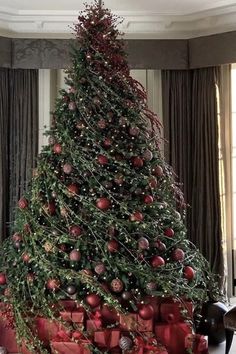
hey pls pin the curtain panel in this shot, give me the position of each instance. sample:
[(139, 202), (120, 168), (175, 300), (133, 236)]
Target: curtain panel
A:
[(19, 138), (191, 128)]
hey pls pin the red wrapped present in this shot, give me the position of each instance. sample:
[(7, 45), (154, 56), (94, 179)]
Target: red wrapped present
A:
[(95, 322), (75, 316), (172, 336), (46, 329), (69, 305), (108, 338), (173, 312), (8, 338), (155, 301), (149, 346), (145, 325), (196, 343), (69, 348)]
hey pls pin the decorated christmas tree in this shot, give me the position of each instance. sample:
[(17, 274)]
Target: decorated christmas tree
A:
[(103, 221)]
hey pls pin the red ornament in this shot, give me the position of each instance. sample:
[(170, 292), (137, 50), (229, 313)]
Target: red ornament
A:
[(25, 257), (113, 246), (107, 143), (147, 155), (169, 232), (153, 182), (102, 160), (73, 189), (57, 149), (148, 199), (67, 168), (53, 284), (136, 216), (137, 161), (75, 230), (157, 261), (160, 246), (157, 171), (189, 273), (146, 311), (109, 314), (23, 203), (117, 285), (49, 208), (100, 268), (75, 256), (178, 255), (3, 279), (103, 203), (93, 300)]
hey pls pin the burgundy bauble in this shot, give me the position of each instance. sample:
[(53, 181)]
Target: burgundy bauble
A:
[(146, 311), (25, 257), (157, 261), (113, 246), (117, 285), (3, 279), (169, 232), (136, 216), (109, 314), (137, 161), (67, 168), (189, 273), (178, 255), (148, 199), (102, 124), (53, 284), (125, 343), (126, 295), (23, 203), (102, 160), (147, 155), (71, 290), (57, 148), (134, 131), (75, 230), (75, 255), (107, 143), (157, 171), (49, 208), (143, 243), (72, 106), (153, 182), (103, 203), (160, 246), (100, 268), (93, 300), (73, 189)]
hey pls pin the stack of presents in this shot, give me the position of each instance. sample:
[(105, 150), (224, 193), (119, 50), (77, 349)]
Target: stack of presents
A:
[(167, 332)]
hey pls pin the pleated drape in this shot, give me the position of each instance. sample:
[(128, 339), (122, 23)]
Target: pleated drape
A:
[(191, 127), (19, 138)]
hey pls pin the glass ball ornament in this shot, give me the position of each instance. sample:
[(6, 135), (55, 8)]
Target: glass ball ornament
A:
[(125, 343)]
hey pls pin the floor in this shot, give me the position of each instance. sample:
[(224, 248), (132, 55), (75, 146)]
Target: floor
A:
[(220, 349)]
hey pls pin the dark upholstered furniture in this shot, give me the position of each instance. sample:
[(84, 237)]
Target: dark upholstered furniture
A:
[(230, 327)]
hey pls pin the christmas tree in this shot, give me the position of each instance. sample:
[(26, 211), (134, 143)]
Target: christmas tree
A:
[(100, 223)]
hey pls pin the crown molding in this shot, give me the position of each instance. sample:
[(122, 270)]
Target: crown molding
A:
[(136, 24)]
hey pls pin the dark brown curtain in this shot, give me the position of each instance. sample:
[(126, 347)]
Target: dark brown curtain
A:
[(19, 138), (191, 127)]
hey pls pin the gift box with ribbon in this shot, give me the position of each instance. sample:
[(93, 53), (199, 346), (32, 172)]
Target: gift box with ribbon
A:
[(107, 338), (94, 322), (174, 312), (172, 336), (8, 337), (69, 343), (133, 322), (196, 344), (147, 346), (46, 329), (75, 316)]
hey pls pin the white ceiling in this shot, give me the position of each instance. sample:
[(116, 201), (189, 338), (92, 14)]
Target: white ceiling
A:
[(142, 18)]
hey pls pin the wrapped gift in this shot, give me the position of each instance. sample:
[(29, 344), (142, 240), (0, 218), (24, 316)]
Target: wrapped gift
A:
[(173, 312), (196, 344), (76, 315), (69, 348), (95, 322), (149, 346), (172, 336), (69, 305), (107, 338), (8, 338), (46, 329), (155, 301)]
